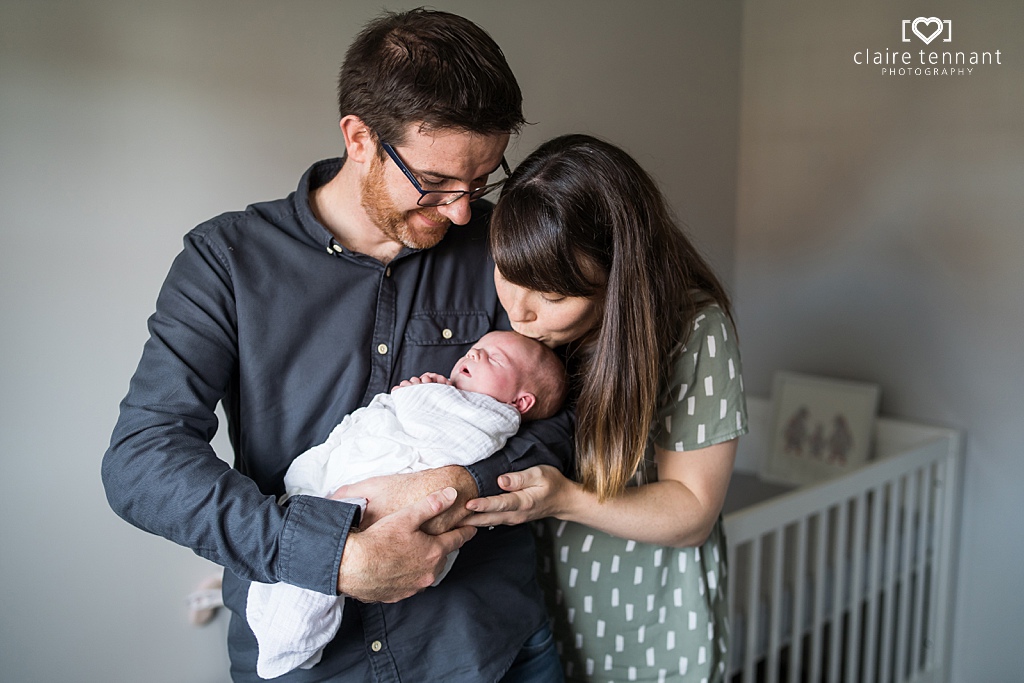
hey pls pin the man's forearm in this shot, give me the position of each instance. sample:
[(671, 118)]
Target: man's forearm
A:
[(387, 494), (463, 482), (161, 473)]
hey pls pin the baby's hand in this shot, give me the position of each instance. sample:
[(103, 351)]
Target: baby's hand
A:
[(425, 378)]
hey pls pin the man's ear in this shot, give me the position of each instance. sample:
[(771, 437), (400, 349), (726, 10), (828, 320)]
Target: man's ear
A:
[(360, 142), (524, 401)]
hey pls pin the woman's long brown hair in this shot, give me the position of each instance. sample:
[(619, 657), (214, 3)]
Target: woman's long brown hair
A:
[(579, 217)]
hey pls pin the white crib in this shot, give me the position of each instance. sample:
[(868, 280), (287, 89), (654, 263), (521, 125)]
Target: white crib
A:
[(850, 579)]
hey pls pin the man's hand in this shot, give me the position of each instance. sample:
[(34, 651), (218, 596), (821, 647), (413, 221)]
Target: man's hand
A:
[(425, 378), (394, 559), (389, 493)]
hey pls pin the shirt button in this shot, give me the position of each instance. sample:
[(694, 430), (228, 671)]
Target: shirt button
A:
[(382, 349), (387, 272), (337, 247), (446, 333), (376, 646)]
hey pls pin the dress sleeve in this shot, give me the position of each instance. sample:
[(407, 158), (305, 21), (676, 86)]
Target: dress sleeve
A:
[(703, 402)]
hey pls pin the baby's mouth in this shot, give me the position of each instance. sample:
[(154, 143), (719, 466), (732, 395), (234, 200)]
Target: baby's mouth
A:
[(460, 370)]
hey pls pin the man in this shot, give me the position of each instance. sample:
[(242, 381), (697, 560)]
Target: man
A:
[(296, 312)]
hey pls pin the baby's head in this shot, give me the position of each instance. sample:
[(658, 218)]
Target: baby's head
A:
[(516, 370)]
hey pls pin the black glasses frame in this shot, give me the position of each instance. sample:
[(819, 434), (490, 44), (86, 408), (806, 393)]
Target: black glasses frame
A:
[(444, 197)]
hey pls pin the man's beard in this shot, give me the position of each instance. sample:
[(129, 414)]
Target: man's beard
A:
[(393, 223)]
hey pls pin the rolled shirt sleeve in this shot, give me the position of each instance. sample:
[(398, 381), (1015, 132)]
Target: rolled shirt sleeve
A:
[(266, 314), (162, 474)]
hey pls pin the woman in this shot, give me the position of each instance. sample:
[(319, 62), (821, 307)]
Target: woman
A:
[(588, 256)]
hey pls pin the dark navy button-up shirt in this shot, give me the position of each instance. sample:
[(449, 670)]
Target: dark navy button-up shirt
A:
[(264, 311)]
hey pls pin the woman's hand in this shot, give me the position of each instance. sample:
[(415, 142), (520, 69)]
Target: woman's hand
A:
[(534, 493), (679, 509)]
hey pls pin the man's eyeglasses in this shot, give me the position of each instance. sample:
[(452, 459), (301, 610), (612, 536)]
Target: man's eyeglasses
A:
[(444, 197)]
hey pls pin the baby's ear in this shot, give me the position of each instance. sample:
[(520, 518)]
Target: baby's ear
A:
[(524, 401)]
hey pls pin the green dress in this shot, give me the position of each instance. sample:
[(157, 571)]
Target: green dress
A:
[(628, 611)]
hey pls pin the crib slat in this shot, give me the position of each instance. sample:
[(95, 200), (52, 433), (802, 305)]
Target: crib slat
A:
[(838, 580), (775, 599), (923, 532), (944, 552), (903, 616), (875, 554), (935, 564), (891, 548), (856, 586), (800, 586), (818, 629), (753, 614)]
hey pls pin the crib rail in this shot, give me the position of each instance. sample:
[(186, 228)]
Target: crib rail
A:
[(851, 579)]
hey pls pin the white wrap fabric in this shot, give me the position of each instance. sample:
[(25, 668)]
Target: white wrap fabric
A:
[(411, 429)]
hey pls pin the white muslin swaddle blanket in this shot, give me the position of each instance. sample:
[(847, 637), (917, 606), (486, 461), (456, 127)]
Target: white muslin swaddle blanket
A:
[(411, 429)]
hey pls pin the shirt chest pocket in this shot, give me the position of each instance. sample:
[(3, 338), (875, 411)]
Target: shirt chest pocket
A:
[(435, 340)]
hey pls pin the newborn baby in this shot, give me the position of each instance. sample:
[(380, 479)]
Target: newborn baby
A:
[(425, 422)]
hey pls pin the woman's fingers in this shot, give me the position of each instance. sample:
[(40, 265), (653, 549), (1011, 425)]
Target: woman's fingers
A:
[(507, 508), (532, 493), (517, 481), (489, 519), (505, 502)]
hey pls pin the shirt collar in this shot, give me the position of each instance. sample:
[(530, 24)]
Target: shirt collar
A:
[(318, 175)]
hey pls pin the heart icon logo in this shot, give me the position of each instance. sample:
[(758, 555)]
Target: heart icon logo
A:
[(927, 21)]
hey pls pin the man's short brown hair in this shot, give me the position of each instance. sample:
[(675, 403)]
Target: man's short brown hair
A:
[(429, 67)]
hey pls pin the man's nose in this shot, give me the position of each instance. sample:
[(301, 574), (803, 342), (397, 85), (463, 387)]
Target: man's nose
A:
[(458, 212)]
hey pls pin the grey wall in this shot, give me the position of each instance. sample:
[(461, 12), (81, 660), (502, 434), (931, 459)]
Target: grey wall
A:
[(875, 234), (880, 238), (123, 124)]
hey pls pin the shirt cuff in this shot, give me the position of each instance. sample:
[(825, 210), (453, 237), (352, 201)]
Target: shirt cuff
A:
[(487, 471), (312, 541)]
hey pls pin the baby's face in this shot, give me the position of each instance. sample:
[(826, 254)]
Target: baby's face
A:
[(495, 366)]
